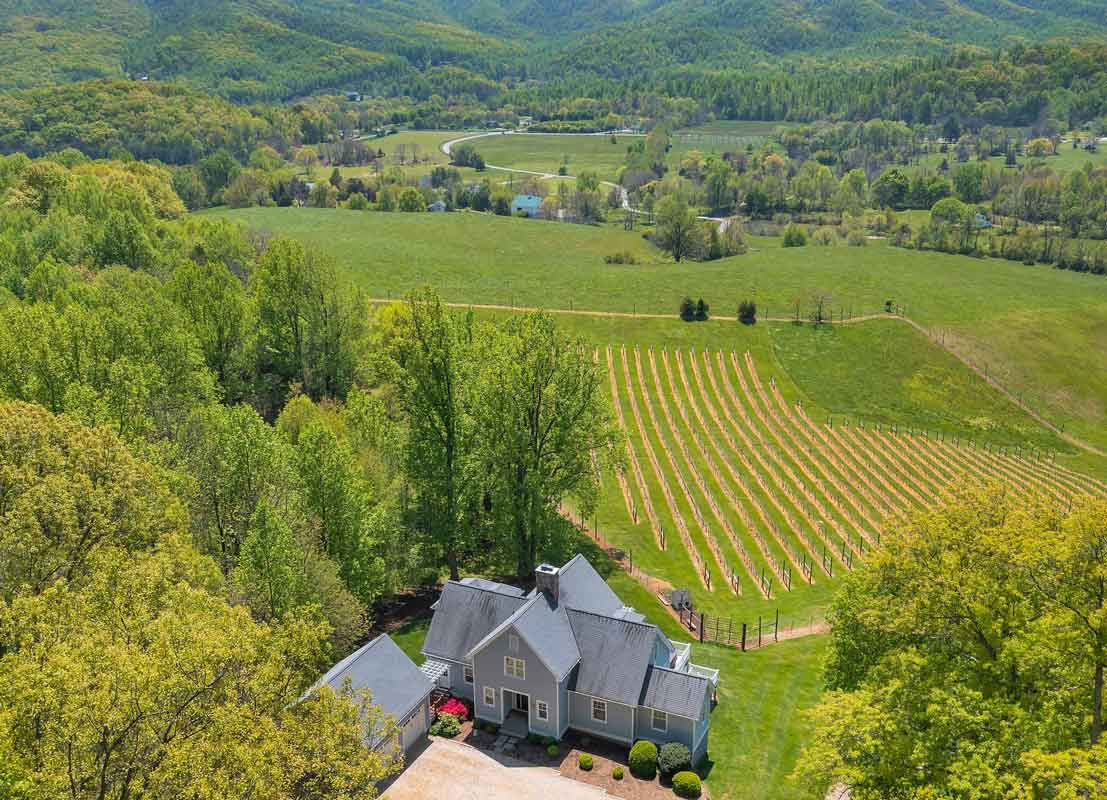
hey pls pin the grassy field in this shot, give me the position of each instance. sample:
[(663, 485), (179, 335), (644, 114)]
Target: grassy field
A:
[(757, 729), (540, 152), (1041, 332), (1066, 159), (720, 136)]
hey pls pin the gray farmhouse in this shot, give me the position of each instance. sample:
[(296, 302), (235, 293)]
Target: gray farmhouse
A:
[(567, 655)]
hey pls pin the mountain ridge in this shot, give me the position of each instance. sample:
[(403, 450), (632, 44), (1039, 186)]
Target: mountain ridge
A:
[(250, 50)]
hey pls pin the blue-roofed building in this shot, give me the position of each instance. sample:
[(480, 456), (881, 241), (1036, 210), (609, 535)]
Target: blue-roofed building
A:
[(526, 203), (568, 655)]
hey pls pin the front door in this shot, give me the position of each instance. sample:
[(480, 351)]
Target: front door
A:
[(522, 703)]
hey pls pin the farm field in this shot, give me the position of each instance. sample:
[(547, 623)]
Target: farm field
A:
[(1066, 159), (543, 152), (720, 136), (1039, 331), (758, 504)]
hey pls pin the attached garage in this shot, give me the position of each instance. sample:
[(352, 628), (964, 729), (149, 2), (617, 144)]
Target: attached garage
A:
[(394, 682)]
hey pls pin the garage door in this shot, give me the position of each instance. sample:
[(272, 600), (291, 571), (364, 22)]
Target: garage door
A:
[(413, 729)]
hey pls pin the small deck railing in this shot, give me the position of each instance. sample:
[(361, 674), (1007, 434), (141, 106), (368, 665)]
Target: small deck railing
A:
[(704, 672)]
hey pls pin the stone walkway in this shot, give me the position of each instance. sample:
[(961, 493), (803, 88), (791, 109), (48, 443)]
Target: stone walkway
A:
[(505, 744)]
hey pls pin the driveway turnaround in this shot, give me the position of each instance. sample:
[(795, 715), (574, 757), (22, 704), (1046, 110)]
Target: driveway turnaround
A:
[(465, 773)]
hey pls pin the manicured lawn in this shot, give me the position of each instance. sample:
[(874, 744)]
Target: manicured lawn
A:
[(540, 152)]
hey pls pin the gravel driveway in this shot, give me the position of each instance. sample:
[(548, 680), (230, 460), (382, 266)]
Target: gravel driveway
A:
[(465, 773)]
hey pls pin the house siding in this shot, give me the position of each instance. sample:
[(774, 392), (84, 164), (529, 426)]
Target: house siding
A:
[(679, 729), (620, 719), (700, 733), (458, 686), (539, 684)]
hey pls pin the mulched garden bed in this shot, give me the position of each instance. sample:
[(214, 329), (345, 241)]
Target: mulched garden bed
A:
[(605, 757)]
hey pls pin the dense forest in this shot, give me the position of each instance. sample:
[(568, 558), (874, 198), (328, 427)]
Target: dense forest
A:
[(214, 436)]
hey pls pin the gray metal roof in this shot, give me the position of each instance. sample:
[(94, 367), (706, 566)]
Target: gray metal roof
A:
[(463, 616), (582, 588), (494, 586), (545, 627), (615, 655), (675, 692), (394, 682)]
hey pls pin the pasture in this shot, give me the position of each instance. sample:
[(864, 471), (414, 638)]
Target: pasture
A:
[(721, 136), (1066, 160), (1039, 331), (545, 152)]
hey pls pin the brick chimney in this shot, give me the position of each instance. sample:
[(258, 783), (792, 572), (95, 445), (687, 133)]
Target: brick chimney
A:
[(546, 579)]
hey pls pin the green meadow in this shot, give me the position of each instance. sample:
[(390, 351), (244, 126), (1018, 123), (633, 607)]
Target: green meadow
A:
[(1041, 332), (545, 152)]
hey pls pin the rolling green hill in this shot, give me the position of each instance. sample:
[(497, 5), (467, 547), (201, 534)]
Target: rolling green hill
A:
[(252, 50)]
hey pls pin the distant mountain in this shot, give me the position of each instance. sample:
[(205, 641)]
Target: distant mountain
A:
[(275, 49)]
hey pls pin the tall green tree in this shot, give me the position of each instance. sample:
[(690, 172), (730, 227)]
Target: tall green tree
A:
[(68, 492), (237, 462), (312, 327), (434, 350), (967, 655), (678, 230), (349, 524), (542, 413), (144, 681)]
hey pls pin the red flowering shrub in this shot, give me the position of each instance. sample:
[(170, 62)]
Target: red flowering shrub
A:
[(456, 708)]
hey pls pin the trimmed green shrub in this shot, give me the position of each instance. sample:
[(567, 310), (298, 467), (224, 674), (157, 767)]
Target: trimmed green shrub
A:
[(617, 773), (553, 751), (585, 762), (643, 760), (673, 758), (446, 725), (794, 236), (548, 740), (536, 738), (687, 784)]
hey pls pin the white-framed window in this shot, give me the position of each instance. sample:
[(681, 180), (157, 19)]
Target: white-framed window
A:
[(467, 674), (660, 720), (542, 710), (513, 643), (599, 711), (515, 668), (490, 696)]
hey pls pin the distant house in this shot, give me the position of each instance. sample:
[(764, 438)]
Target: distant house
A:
[(566, 655), (437, 205), (981, 221), (528, 203), (353, 97), (395, 684)]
